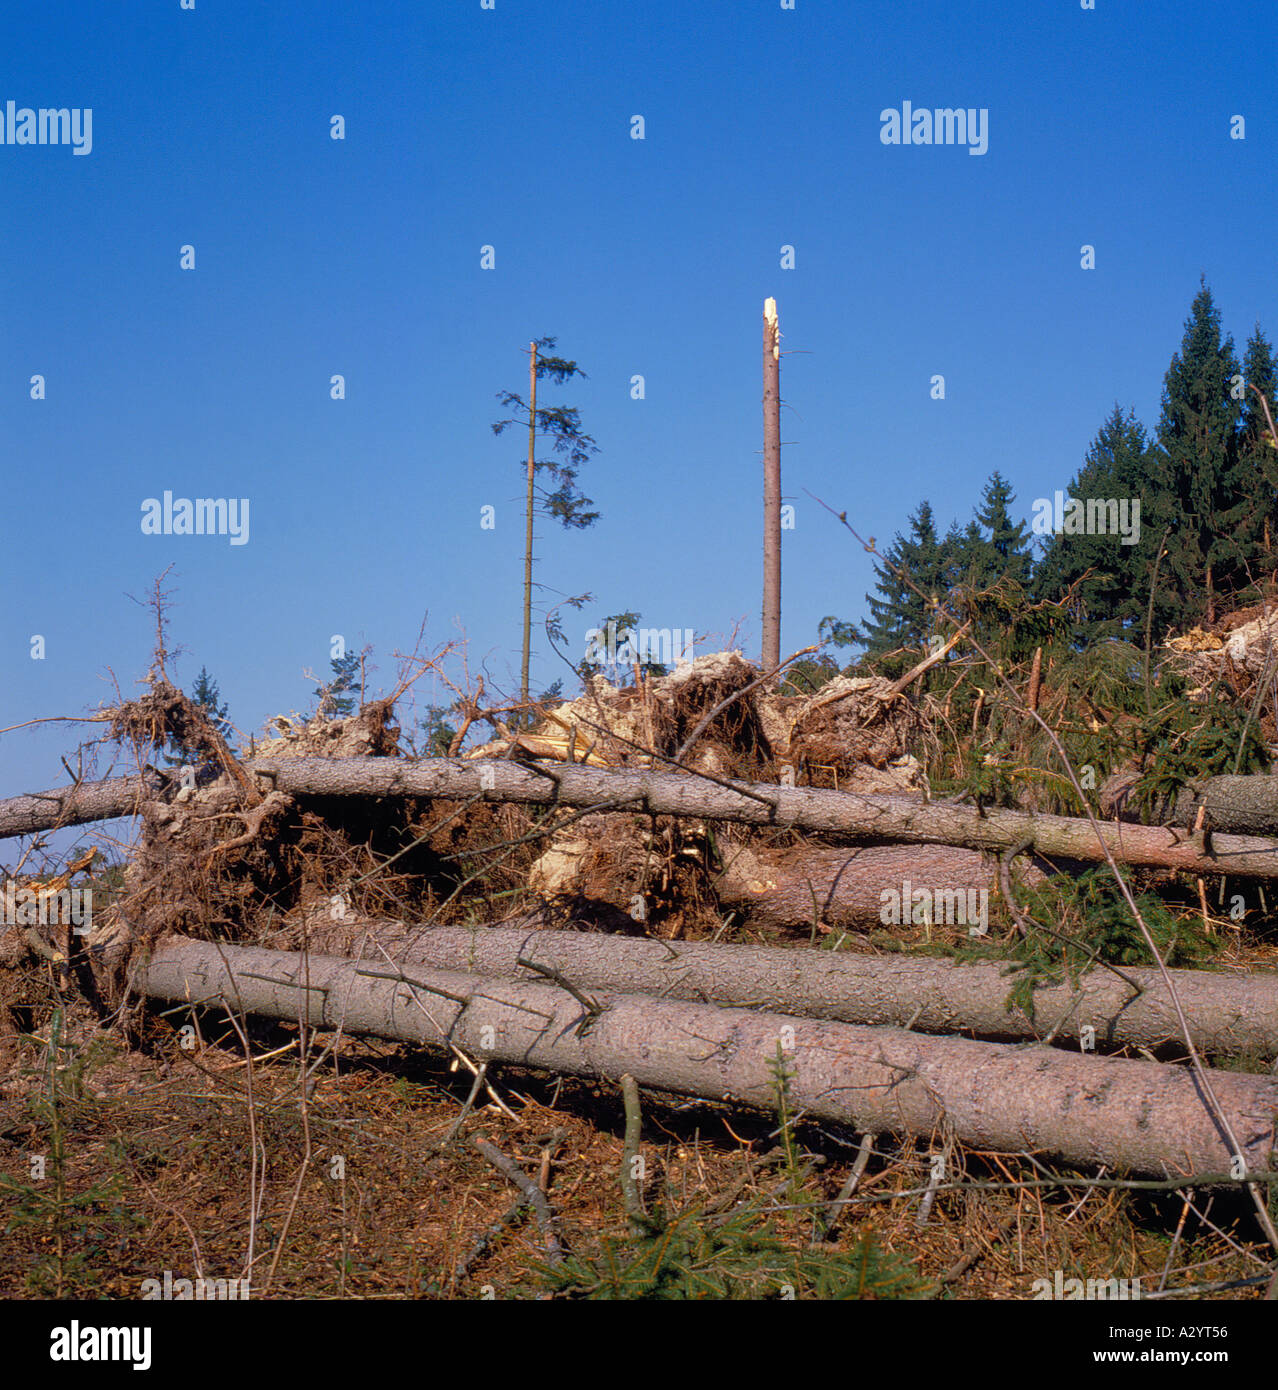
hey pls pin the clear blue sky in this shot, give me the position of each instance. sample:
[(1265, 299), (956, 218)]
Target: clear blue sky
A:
[(512, 127)]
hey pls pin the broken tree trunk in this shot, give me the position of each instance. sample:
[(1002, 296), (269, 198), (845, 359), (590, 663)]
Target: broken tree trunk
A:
[(1137, 1117), (846, 887), (885, 819), (75, 805), (1239, 805), (1227, 1014)]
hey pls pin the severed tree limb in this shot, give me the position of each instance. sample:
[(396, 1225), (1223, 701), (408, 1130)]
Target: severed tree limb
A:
[(833, 1213), (926, 664), (77, 804), (884, 819), (960, 1267), (533, 1196), (1245, 805), (632, 1160), (484, 1240), (846, 887)]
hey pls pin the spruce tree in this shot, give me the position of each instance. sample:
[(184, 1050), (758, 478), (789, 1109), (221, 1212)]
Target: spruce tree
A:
[(1109, 578), (1003, 552), (206, 695), (567, 504), (1201, 501), (438, 732), (901, 618), (337, 698), (1258, 458), (963, 550)]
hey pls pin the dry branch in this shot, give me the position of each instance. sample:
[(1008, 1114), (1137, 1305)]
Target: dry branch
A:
[(1136, 1117)]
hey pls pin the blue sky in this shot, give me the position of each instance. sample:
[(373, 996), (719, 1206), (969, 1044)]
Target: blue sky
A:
[(511, 127)]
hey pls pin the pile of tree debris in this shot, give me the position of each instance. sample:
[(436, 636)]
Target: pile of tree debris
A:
[(676, 811)]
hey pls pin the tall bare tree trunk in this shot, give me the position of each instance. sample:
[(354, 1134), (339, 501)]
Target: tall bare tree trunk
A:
[(771, 487), (528, 522)]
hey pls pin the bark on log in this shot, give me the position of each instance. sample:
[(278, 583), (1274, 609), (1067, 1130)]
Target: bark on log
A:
[(75, 805), (845, 887), (1238, 805), (1138, 1117), (1227, 1014), (881, 819), (885, 819)]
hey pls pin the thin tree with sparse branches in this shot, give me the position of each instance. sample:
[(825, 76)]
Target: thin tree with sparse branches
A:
[(567, 504)]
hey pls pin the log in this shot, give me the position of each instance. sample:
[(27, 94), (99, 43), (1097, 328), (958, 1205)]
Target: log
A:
[(1132, 1117), (883, 819), (1228, 1014), (846, 887), (1238, 805), (76, 805)]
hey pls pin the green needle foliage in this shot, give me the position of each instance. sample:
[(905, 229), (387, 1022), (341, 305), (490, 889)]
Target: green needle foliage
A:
[(76, 1228), (1090, 921), (783, 1073), (1181, 743), (742, 1253), (566, 503), (739, 1255)]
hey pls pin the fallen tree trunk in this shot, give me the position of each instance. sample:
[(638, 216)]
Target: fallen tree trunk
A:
[(75, 805), (882, 819), (1137, 1117), (862, 886), (885, 819), (1241, 805), (1227, 1014)]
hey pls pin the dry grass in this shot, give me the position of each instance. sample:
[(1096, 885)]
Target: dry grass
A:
[(162, 1134)]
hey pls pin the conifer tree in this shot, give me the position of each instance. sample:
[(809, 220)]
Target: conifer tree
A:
[(567, 504), (1111, 601), (1003, 551), (337, 698), (1258, 459), (900, 618), (206, 695), (963, 550), (1201, 502)]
